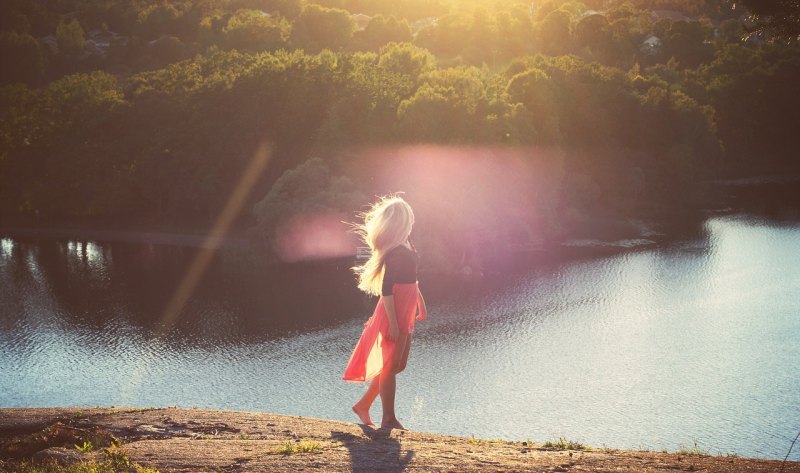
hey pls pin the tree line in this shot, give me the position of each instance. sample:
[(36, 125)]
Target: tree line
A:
[(158, 126)]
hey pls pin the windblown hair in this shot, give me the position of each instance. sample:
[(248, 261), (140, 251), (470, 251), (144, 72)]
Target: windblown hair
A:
[(387, 225)]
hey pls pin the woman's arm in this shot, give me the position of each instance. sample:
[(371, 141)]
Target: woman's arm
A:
[(394, 330), (423, 309)]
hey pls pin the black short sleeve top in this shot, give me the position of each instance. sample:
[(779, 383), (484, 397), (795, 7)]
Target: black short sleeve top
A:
[(401, 268)]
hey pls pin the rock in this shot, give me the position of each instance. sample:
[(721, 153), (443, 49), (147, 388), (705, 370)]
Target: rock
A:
[(65, 456)]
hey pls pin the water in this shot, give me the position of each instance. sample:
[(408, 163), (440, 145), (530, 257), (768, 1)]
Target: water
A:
[(689, 343)]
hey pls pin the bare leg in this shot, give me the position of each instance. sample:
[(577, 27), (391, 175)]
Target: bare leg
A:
[(388, 380), (361, 408)]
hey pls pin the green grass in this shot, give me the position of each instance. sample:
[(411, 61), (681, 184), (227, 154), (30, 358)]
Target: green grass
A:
[(83, 467), (564, 444), (304, 446), (114, 460), (476, 441), (696, 450), (86, 447)]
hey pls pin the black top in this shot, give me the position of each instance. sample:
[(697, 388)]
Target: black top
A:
[(401, 268)]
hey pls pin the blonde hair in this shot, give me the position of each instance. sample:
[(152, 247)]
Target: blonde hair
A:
[(386, 226)]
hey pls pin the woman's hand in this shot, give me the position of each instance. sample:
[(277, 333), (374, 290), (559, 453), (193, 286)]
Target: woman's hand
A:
[(394, 332), (422, 309)]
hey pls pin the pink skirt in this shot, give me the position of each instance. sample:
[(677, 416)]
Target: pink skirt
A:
[(373, 351)]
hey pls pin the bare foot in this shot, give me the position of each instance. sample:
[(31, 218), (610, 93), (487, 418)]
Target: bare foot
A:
[(392, 424), (363, 414)]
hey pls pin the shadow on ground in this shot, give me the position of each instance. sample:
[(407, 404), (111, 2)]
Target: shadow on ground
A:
[(378, 452)]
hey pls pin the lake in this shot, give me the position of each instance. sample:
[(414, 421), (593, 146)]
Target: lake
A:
[(691, 342)]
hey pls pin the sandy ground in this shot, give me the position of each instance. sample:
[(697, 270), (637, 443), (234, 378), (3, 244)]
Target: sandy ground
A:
[(194, 440)]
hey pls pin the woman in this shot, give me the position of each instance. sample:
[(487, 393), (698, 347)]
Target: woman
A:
[(391, 272)]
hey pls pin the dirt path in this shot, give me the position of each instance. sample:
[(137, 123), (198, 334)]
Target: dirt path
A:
[(192, 440)]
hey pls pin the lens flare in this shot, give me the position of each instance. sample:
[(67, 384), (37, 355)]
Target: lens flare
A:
[(205, 255), (314, 236)]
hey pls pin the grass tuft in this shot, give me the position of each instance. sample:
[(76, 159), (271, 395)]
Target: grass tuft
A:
[(476, 441), (564, 444), (696, 451), (304, 446), (117, 462), (86, 447)]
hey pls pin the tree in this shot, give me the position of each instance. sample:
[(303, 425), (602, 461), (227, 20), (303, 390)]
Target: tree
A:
[(535, 89), (514, 33), (287, 8), (593, 35), (70, 38), (255, 30), (553, 33), (21, 58), (777, 18), (687, 41), (380, 31), (407, 59), (310, 189), (318, 28)]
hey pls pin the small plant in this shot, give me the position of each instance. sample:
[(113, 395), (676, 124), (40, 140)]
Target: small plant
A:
[(86, 447), (118, 458), (79, 415), (80, 467), (476, 441), (564, 444), (307, 446), (304, 446), (693, 451), (244, 437)]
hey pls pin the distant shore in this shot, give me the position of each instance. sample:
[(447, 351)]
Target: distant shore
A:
[(192, 440), (156, 237)]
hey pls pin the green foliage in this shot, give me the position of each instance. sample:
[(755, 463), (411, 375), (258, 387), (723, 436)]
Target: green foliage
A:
[(21, 58), (553, 35), (193, 88), (70, 37), (318, 28), (407, 59), (86, 447), (382, 30), (310, 188), (53, 153), (246, 30), (304, 446), (564, 444), (694, 451), (113, 460), (451, 105), (778, 18), (254, 30)]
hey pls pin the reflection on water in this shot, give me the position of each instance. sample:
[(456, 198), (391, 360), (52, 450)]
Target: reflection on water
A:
[(659, 348)]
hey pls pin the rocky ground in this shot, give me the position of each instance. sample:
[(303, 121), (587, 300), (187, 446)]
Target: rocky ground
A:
[(193, 440)]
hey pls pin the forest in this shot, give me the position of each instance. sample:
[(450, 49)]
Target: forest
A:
[(541, 115)]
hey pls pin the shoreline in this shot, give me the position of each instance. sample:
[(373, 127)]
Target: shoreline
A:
[(192, 440), (155, 237)]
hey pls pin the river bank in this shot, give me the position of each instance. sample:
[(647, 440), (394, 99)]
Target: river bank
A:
[(194, 440)]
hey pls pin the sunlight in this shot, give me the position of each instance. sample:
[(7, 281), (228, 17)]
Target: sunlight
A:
[(6, 247), (205, 254), (474, 198), (88, 250), (215, 238), (314, 236)]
